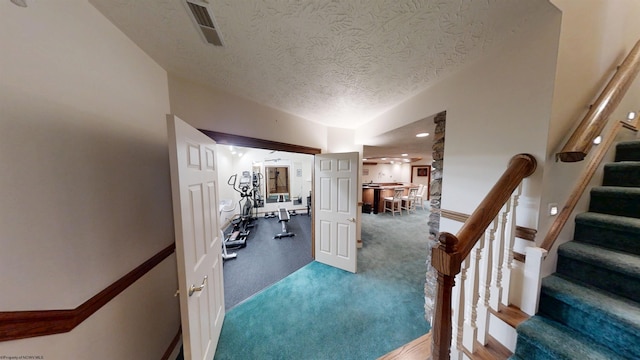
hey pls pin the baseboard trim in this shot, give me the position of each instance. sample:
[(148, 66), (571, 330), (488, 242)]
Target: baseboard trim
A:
[(25, 324)]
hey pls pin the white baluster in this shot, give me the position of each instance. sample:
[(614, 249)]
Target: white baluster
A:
[(485, 282), (498, 257), (457, 319), (508, 249), (471, 306), (462, 305)]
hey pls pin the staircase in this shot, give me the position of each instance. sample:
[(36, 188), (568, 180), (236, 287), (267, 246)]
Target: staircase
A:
[(590, 308)]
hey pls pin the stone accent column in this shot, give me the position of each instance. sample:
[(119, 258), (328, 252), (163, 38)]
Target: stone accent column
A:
[(435, 195)]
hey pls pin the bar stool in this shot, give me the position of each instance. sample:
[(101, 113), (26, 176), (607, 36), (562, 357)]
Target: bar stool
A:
[(420, 197), (394, 203), (408, 202)]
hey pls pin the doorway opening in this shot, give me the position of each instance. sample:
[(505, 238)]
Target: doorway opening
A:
[(277, 180), (386, 163)]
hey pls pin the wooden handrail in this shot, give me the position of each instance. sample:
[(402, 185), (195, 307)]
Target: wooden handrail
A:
[(447, 257), (583, 181), (594, 122), (25, 324), (520, 167)]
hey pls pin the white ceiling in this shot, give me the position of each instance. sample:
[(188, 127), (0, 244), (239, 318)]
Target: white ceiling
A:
[(339, 63), (403, 140)]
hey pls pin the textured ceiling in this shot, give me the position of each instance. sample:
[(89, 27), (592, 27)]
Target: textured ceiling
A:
[(339, 63)]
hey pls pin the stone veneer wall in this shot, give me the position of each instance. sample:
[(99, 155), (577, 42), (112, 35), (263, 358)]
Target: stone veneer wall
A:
[(435, 195)]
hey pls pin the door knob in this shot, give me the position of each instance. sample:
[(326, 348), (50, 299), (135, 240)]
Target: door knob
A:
[(352, 219), (194, 288)]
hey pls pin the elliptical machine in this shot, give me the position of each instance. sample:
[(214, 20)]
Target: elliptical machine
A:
[(258, 199), (244, 188), (233, 240)]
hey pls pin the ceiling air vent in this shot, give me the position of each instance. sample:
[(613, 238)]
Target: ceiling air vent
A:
[(204, 21)]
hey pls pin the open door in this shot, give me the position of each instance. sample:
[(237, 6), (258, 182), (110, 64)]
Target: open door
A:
[(336, 209), (198, 245)]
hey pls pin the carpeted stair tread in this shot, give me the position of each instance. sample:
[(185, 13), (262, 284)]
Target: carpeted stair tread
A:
[(590, 308), (610, 231), (624, 173), (542, 339), (620, 262), (615, 200), (628, 151), (614, 271), (592, 299), (612, 320)]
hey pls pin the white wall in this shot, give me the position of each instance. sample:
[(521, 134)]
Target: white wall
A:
[(382, 173), (209, 109), (230, 164), (496, 107), (342, 140), (84, 174)]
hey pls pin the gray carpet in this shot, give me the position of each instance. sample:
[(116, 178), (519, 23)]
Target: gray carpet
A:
[(266, 260)]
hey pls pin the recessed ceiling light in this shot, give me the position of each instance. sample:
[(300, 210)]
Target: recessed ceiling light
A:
[(422, 135), (631, 115), (405, 154)]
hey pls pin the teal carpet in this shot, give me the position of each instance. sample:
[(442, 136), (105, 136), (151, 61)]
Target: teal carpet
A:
[(320, 312), (590, 308)]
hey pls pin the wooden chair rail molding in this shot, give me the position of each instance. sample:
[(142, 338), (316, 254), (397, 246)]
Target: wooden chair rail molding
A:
[(583, 181), (594, 122), (173, 345), (24, 324), (522, 232), (447, 257)]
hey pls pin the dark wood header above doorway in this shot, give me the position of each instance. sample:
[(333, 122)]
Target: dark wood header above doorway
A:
[(239, 140)]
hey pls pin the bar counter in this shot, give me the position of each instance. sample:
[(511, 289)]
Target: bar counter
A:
[(374, 193)]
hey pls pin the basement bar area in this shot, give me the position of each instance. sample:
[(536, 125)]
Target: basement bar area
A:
[(374, 193)]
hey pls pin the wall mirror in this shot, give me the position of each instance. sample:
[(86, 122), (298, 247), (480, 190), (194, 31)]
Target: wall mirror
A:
[(277, 183)]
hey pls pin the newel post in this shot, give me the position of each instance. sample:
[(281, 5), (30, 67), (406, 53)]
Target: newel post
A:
[(446, 261)]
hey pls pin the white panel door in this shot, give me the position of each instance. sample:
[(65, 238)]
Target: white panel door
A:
[(336, 209), (198, 244)]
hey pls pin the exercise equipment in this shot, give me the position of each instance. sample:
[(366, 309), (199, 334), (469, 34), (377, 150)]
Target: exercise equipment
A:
[(258, 199), (283, 219), (245, 189), (231, 241), (235, 240), (226, 255)]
